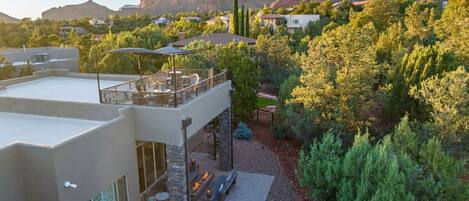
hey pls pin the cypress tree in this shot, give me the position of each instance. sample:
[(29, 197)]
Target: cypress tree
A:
[(241, 24), (235, 17), (246, 30)]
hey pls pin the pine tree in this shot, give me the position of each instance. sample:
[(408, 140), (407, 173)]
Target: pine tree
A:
[(422, 63), (246, 23), (235, 18), (241, 24)]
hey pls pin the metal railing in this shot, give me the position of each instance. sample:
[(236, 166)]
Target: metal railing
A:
[(160, 90)]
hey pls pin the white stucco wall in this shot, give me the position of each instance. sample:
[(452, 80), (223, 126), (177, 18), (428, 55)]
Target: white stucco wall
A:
[(165, 124), (303, 20), (12, 187), (96, 160)]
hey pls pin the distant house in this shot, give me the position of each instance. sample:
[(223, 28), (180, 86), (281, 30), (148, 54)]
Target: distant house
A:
[(43, 58), (291, 22), (272, 20), (66, 30), (162, 20), (216, 39), (100, 22)]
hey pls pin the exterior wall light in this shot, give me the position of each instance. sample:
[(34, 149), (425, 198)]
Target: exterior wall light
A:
[(68, 184)]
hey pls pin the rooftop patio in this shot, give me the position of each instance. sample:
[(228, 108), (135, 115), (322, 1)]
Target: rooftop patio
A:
[(164, 88)]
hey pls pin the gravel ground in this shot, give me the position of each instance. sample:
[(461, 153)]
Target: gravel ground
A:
[(251, 156)]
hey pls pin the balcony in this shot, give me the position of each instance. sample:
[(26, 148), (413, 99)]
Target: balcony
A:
[(164, 88)]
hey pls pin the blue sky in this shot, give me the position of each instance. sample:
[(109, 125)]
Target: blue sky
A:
[(34, 8)]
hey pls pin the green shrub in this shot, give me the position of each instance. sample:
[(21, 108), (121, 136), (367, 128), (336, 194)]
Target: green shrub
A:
[(287, 87), (400, 167), (320, 169), (243, 73)]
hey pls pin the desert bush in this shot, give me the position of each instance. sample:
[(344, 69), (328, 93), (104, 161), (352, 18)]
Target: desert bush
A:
[(399, 167)]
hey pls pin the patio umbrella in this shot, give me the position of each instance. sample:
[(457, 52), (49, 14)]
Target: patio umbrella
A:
[(172, 52)]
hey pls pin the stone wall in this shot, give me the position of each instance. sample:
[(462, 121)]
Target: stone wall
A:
[(226, 139), (177, 181)]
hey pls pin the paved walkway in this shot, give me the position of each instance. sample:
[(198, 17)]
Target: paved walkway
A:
[(261, 175), (248, 187), (251, 187)]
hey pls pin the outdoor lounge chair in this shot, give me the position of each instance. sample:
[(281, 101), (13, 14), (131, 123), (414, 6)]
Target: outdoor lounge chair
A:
[(222, 186)]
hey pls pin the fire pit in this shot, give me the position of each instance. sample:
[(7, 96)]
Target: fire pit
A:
[(200, 185)]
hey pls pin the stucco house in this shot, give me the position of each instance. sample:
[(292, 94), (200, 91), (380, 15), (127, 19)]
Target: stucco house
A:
[(291, 22), (63, 138), (43, 58)]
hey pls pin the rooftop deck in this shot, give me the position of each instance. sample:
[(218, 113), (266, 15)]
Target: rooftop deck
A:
[(164, 89)]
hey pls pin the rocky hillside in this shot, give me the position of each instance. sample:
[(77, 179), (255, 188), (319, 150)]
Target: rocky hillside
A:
[(172, 6), (8, 19), (87, 9)]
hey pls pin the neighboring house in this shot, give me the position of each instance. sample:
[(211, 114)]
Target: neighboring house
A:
[(162, 20), (43, 58), (272, 20), (101, 22), (66, 30), (216, 39), (291, 22), (61, 140)]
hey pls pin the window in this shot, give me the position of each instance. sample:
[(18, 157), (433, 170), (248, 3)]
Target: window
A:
[(151, 157), (296, 21), (115, 192)]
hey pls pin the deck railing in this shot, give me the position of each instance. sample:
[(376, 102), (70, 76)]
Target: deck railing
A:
[(160, 90)]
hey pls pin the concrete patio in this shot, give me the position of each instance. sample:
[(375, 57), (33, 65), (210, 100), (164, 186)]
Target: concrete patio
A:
[(248, 187)]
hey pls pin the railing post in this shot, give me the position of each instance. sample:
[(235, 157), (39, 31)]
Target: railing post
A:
[(210, 78)]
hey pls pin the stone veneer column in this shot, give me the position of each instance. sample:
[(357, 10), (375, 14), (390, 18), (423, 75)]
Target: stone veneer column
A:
[(226, 141), (176, 182)]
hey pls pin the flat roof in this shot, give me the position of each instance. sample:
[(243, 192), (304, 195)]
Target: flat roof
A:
[(41, 130), (67, 89)]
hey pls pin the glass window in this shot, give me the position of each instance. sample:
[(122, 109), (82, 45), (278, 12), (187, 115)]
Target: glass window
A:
[(149, 153), (141, 176), (151, 158), (160, 155)]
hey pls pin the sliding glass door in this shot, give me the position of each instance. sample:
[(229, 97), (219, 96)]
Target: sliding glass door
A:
[(151, 158)]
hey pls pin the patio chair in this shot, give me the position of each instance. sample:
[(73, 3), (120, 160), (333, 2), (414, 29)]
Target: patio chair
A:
[(141, 86), (222, 186), (195, 79)]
